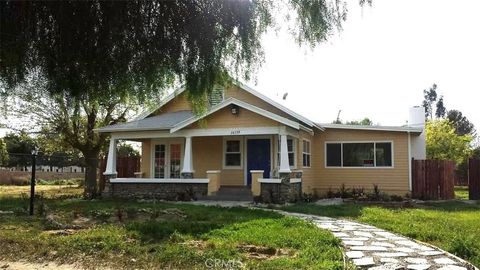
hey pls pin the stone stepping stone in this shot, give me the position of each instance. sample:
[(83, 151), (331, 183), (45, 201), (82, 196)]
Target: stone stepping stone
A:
[(355, 239), (340, 234), (391, 254), (416, 260), (444, 260), (365, 261), (431, 253), (452, 267), (364, 234), (407, 243), (388, 260), (418, 266), (369, 248), (353, 243), (327, 226), (354, 254), (388, 266), (383, 244), (404, 249), (349, 228)]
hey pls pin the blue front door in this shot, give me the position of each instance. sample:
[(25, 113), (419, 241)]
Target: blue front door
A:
[(258, 157)]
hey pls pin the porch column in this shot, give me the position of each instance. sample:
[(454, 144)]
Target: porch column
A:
[(187, 169), (284, 164), (111, 168)]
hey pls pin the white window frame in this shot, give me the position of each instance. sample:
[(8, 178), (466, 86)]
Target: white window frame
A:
[(309, 153), (360, 167), (232, 138), (167, 144), (294, 152)]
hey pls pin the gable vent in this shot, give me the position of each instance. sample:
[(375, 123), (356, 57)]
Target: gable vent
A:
[(216, 96)]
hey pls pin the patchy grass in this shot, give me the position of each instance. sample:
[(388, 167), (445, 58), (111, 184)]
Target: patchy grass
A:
[(146, 235), (461, 192), (453, 226)]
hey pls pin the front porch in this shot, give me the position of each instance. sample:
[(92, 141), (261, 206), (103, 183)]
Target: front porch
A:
[(196, 163)]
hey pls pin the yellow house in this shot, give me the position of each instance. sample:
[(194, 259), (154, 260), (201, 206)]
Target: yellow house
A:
[(247, 142)]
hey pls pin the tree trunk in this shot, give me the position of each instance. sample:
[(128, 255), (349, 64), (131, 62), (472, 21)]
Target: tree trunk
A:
[(91, 160)]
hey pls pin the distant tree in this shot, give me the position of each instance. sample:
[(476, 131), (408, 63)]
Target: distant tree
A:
[(19, 147), (440, 108), (462, 125), (364, 122), (3, 154), (444, 144), (126, 150), (429, 99), (476, 153)]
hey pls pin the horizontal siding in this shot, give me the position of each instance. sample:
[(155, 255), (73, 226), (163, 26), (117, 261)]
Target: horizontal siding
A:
[(208, 155), (392, 180), (225, 119)]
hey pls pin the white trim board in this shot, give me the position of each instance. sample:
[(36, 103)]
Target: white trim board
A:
[(201, 132), (242, 104)]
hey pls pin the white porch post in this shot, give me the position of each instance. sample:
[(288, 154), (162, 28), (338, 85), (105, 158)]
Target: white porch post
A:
[(187, 169), (284, 164), (111, 168)]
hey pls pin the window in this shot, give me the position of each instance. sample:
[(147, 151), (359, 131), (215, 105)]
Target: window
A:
[(175, 160), (383, 154), (334, 154), (233, 154), (290, 150), (306, 153), (364, 154), (159, 169), (358, 155)]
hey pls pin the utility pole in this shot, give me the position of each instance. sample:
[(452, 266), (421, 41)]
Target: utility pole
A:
[(32, 181)]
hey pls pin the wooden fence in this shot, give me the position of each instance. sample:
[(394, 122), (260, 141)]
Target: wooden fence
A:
[(126, 167), (474, 179), (433, 179)]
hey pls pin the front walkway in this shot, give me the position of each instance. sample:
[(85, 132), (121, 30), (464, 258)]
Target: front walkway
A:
[(372, 248)]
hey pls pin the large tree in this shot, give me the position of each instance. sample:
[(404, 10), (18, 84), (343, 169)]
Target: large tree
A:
[(462, 125), (444, 144), (94, 56)]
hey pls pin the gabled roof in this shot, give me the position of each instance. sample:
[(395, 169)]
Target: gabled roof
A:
[(242, 104), (164, 121), (375, 128), (250, 90)]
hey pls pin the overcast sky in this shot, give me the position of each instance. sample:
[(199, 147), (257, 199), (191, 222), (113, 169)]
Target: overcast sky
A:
[(379, 64)]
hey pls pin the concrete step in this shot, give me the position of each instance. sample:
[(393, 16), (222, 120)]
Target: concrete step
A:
[(231, 193)]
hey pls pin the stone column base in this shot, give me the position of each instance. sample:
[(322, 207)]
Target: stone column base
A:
[(187, 175)]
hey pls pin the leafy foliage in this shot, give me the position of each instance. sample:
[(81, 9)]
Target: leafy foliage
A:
[(3, 153), (89, 63), (364, 122), (462, 125), (126, 150), (430, 96), (444, 144), (134, 48)]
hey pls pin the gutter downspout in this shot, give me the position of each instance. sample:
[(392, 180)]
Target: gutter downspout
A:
[(409, 163)]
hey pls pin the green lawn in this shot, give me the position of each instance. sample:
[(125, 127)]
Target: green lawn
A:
[(145, 235), (453, 226), (461, 192)]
